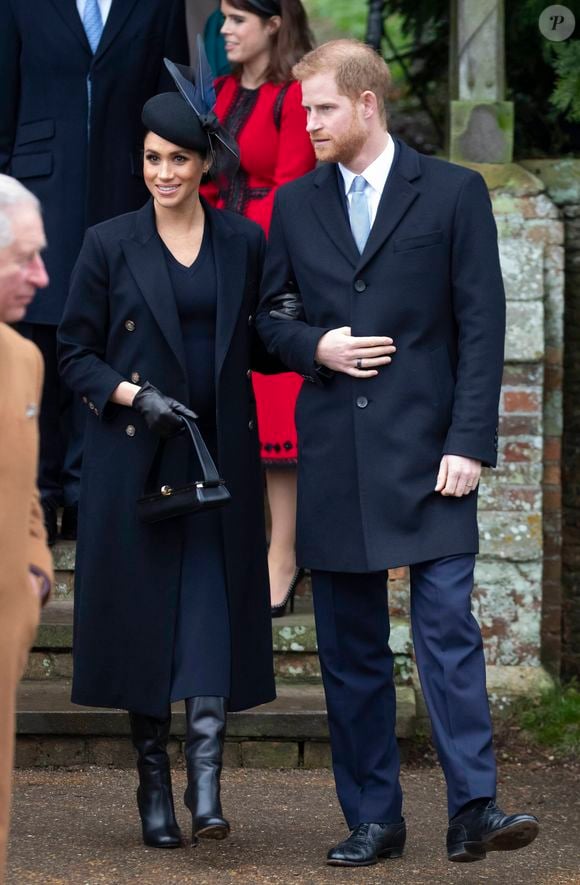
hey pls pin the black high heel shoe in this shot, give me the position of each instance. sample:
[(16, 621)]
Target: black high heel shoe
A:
[(278, 611)]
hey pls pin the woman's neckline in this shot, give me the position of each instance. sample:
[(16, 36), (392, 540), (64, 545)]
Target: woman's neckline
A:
[(176, 261)]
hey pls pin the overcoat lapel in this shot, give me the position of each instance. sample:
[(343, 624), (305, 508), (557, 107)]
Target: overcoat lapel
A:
[(119, 13), (398, 195), (328, 206), (231, 259), (67, 9), (146, 261)]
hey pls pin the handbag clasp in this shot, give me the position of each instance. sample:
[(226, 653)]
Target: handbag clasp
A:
[(166, 491)]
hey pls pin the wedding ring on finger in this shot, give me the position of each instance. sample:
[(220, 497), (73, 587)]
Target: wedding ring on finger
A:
[(359, 364)]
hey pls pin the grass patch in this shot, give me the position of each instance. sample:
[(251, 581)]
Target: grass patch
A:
[(551, 721)]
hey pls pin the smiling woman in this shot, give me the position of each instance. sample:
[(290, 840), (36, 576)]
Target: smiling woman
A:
[(156, 327)]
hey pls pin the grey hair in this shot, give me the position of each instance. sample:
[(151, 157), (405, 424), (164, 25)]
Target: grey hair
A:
[(12, 194)]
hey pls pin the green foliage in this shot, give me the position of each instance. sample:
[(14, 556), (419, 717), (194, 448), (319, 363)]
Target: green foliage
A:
[(566, 95), (346, 17), (553, 720)]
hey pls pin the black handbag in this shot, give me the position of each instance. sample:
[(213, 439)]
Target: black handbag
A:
[(167, 502)]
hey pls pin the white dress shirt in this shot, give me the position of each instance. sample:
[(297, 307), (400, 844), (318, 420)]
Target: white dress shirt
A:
[(104, 5), (375, 176)]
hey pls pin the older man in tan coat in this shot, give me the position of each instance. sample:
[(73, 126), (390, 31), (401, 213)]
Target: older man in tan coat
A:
[(25, 561)]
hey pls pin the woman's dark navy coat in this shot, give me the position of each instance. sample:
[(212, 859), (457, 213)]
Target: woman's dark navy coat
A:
[(121, 324)]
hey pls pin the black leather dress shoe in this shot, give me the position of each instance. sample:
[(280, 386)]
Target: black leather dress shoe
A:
[(68, 526), (367, 843), (484, 827), (49, 511)]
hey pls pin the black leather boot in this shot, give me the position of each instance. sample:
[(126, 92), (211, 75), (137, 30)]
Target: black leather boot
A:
[(204, 744), (154, 795)]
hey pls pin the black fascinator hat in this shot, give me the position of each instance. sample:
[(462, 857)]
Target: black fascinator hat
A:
[(187, 117)]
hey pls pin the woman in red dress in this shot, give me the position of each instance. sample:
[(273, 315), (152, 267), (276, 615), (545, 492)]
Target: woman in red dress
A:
[(261, 106)]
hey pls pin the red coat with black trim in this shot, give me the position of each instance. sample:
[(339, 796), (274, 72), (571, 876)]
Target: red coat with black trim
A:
[(269, 124)]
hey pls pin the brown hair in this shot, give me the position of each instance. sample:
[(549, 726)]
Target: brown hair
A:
[(357, 68), (290, 42)]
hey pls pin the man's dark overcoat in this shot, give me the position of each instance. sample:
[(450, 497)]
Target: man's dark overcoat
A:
[(84, 166), (429, 277), (121, 319)]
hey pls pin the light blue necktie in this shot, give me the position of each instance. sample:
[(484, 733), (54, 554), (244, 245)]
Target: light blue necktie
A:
[(93, 23), (358, 210)]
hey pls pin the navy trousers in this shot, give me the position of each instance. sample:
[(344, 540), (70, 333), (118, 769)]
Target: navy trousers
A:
[(352, 625), (61, 423)]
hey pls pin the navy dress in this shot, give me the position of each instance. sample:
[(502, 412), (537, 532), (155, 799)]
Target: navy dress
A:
[(202, 650)]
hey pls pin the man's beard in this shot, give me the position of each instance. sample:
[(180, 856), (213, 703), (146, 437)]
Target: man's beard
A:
[(343, 148)]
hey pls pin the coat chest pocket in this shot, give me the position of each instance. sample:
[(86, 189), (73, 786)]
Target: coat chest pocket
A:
[(37, 131), (406, 244)]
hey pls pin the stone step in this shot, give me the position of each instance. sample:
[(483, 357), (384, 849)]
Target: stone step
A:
[(64, 554), (293, 637), (293, 728)]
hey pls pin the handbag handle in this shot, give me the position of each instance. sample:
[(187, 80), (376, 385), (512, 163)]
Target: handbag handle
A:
[(210, 474)]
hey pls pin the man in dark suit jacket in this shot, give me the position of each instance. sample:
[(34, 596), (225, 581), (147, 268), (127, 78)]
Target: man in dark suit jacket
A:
[(73, 79), (382, 286)]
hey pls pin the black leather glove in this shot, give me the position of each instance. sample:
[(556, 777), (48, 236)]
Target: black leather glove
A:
[(161, 413), (287, 306)]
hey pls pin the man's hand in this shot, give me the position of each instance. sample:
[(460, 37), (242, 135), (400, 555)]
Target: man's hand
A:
[(358, 357), (457, 476)]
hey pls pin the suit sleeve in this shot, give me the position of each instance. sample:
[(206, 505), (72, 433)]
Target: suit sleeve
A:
[(261, 360), (9, 82), (175, 46), (39, 556), (295, 154), (479, 310), (294, 342), (83, 332)]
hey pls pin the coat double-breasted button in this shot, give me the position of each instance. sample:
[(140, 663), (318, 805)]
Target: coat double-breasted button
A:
[(251, 424), (250, 320), (135, 377), (130, 430), (249, 373), (92, 407), (359, 285), (130, 325), (85, 400), (362, 402)]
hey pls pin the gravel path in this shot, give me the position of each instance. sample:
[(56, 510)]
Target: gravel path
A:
[(81, 828)]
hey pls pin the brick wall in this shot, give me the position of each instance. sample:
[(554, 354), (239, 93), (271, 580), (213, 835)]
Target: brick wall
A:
[(562, 181), (517, 596)]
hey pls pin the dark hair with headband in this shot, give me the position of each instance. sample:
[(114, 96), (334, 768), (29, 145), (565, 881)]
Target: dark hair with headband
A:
[(292, 40)]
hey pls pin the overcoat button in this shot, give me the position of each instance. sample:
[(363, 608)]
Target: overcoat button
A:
[(130, 430), (250, 320), (85, 400), (250, 424), (249, 373), (129, 325), (360, 285), (362, 402), (135, 377), (92, 407)]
